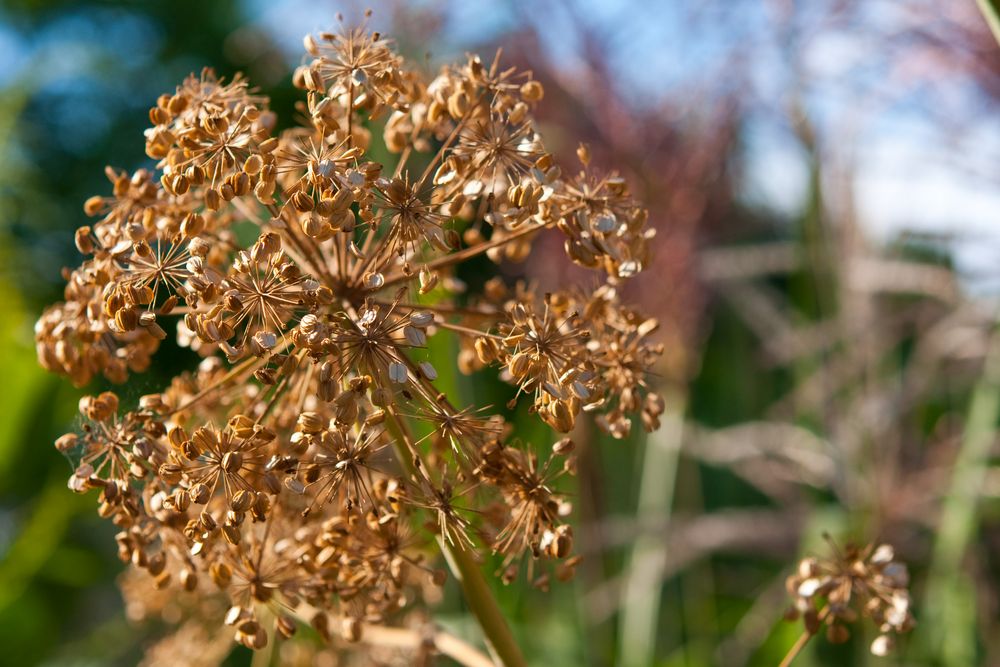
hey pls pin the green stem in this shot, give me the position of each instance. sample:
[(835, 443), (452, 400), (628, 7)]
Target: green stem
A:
[(478, 595), (951, 610), (802, 641), (499, 639), (262, 657), (640, 601), (991, 12)]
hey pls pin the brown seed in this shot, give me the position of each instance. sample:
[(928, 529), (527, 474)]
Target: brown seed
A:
[(532, 91), (189, 580), (199, 494), (192, 225), (67, 442), (350, 629), (195, 174), (221, 574), (286, 627), (564, 447), (127, 318), (837, 633), (155, 564), (232, 461), (302, 202), (253, 164), (179, 184), (84, 241), (563, 542), (213, 200), (311, 422), (162, 581), (207, 522), (232, 534), (242, 500), (240, 182)]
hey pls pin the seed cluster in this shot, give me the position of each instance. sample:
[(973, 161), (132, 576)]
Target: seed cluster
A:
[(310, 462), (853, 582)]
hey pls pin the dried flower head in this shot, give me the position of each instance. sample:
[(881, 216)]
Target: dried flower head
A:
[(305, 470), (853, 582)]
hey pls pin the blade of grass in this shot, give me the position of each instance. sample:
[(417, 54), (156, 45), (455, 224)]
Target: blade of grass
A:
[(640, 601), (37, 539), (991, 12), (950, 615)]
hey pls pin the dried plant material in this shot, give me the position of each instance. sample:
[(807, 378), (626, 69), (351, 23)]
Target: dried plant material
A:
[(284, 475), (853, 583)]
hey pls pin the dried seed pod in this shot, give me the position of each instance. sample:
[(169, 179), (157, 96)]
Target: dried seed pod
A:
[(289, 465), (350, 629)]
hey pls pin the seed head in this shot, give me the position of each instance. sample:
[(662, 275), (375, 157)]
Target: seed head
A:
[(307, 465)]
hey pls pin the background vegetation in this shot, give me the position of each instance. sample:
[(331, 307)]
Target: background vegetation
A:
[(832, 359)]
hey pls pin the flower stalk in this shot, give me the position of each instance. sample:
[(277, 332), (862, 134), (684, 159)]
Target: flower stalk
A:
[(496, 631)]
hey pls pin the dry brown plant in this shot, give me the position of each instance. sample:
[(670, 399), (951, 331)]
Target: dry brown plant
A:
[(309, 470)]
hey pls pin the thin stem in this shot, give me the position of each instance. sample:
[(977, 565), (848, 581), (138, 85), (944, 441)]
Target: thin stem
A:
[(445, 309), (467, 331), (308, 247), (370, 255), (350, 114), (478, 595), (803, 639), (403, 157), (439, 155), (959, 520), (644, 583), (797, 647), (447, 644), (279, 390), (462, 255), (461, 652), (262, 657), (237, 370)]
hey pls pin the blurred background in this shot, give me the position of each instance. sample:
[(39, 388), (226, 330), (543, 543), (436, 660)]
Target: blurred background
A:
[(823, 179)]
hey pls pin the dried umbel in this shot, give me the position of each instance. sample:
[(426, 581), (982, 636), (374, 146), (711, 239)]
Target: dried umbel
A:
[(853, 582), (305, 469)]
